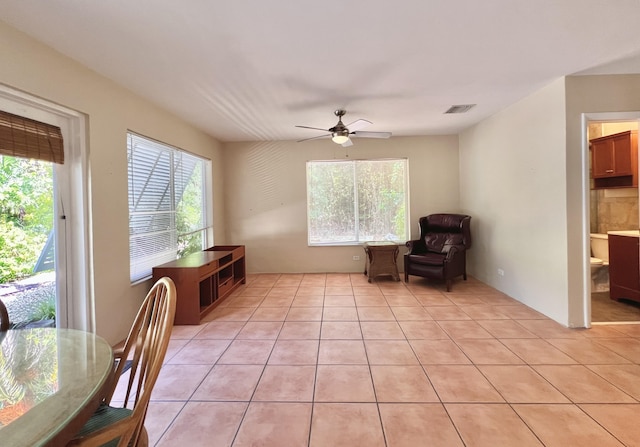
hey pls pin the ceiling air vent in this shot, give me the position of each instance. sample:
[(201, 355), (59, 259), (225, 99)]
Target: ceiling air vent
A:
[(461, 108)]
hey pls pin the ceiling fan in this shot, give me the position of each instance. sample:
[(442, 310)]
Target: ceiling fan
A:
[(340, 134)]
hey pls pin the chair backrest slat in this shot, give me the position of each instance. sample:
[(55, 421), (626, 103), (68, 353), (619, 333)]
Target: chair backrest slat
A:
[(146, 346)]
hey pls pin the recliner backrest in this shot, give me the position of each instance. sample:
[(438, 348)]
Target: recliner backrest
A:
[(442, 231), (442, 242)]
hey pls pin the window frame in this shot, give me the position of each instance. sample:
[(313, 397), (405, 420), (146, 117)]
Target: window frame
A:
[(140, 267), (358, 240)]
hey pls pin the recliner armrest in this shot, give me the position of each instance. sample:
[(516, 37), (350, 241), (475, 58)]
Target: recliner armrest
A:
[(454, 251)]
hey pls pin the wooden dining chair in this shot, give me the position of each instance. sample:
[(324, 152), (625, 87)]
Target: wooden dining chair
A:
[(4, 318), (144, 350)]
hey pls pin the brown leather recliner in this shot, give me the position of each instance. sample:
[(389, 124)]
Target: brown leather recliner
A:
[(440, 253)]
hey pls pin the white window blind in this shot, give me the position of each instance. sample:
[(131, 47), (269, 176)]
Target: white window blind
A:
[(167, 204)]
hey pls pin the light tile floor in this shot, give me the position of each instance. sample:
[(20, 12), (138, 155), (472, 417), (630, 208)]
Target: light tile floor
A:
[(330, 360)]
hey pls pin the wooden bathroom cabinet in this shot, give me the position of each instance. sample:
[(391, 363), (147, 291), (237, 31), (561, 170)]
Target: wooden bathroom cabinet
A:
[(624, 266), (204, 279), (614, 160)]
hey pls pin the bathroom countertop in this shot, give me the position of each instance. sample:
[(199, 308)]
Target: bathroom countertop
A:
[(630, 233)]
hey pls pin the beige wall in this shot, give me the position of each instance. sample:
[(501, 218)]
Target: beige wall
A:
[(265, 189), (110, 110), (512, 181), (524, 178)]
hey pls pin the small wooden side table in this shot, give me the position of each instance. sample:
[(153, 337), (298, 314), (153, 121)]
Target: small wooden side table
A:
[(381, 259)]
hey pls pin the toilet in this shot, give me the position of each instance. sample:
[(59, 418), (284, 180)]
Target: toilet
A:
[(599, 262)]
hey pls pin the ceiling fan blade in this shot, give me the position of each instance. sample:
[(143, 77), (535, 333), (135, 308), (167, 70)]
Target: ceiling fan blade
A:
[(314, 128), (371, 134), (347, 143), (358, 124), (315, 138)]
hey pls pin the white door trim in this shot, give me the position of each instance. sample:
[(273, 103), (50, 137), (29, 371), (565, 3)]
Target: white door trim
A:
[(75, 306), (586, 248)]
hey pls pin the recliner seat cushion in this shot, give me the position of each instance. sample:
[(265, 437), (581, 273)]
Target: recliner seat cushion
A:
[(436, 259)]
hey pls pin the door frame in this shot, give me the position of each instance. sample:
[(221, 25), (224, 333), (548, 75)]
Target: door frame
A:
[(586, 208), (74, 288)]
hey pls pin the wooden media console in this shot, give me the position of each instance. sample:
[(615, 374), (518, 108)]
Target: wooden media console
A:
[(204, 279)]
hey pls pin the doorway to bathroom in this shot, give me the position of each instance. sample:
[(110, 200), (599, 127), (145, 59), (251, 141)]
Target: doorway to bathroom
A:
[(614, 217)]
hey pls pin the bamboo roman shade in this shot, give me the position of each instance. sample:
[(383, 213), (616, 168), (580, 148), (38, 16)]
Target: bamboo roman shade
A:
[(27, 138)]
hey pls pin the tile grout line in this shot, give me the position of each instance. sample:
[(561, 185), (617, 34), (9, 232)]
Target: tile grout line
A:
[(246, 410)]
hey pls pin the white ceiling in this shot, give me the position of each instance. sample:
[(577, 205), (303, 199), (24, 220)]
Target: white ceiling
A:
[(253, 69)]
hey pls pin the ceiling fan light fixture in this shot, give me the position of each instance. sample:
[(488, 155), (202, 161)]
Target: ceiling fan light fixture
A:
[(341, 134), (340, 137)]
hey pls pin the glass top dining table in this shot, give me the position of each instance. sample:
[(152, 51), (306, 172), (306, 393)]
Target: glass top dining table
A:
[(51, 381)]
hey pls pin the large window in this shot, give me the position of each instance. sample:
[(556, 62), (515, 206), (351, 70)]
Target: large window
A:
[(168, 204), (355, 201)]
